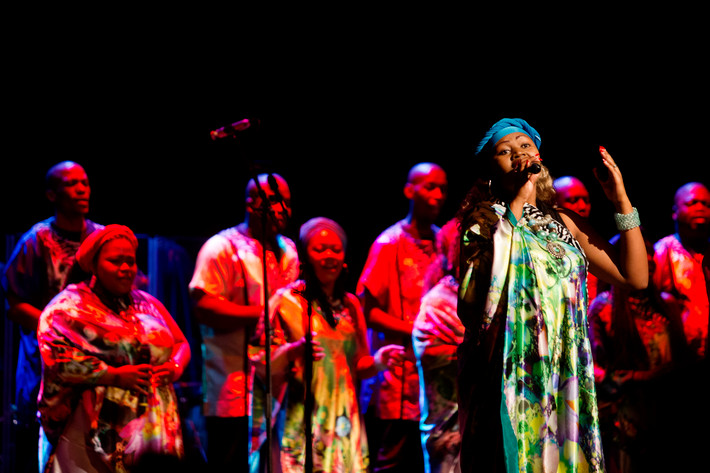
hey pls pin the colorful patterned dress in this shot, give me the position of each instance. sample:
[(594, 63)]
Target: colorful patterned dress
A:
[(79, 337), (526, 378), (339, 443)]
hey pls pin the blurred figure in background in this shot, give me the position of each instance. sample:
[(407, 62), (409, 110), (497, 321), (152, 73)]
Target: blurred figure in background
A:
[(638, 345), (572, 194), (341, 357), (436, 335), (38, 269), (391, 287), (110, 354), (679, 257), (228, 289)]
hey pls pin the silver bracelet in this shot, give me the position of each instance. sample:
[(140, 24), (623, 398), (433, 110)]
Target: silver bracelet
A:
[(627, 221)]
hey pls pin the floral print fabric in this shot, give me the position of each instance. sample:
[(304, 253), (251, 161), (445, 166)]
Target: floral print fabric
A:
[(339, 442), (524, 290), (79, 337)]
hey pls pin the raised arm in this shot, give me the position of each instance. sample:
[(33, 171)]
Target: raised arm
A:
[(627, 267)]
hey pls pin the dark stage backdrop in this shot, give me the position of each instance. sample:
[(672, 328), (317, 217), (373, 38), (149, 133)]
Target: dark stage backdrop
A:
[(344, 137)]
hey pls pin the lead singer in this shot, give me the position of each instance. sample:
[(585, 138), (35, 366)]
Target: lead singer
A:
[(526, 380)]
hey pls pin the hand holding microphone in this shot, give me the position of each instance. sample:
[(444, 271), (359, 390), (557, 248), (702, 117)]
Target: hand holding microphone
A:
[(534, 168)]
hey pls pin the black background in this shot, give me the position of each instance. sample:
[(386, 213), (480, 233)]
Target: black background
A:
[(343, 116)]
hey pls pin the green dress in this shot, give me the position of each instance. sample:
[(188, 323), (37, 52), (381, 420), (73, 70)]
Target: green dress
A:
[(526, 373)]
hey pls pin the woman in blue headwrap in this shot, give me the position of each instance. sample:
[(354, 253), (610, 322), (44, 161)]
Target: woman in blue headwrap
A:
[(526, 381)]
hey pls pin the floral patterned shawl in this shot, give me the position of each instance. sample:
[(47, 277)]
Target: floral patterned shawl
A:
[(79, 337), (523, 302)]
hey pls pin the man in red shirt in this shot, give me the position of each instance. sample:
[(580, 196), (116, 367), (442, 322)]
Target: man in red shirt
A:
[(391, 287)]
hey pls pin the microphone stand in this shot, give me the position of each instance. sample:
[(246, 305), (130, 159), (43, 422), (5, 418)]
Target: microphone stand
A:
[(266, 214), (308, 396), (308, 400)]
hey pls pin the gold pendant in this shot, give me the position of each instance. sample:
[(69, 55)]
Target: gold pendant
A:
[(556, 249)]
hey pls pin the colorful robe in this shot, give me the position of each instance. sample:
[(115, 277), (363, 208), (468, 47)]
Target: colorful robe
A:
[(79, 337), (526, 378), (339, 441)]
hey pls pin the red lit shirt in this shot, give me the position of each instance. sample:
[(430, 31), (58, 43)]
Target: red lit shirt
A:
[(681, 274), (229, 265), (394, 275)]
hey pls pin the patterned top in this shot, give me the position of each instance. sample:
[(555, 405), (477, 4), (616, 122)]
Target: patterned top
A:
[(339, 442), (36, 271), (680, 273), (634, 334), (523, 302), (394, 274), (229, 265), (79, 337), (652, 328), (436, 335)]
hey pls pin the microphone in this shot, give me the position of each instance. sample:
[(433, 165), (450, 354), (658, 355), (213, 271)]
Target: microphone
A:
[(534, 168), (230, 130)]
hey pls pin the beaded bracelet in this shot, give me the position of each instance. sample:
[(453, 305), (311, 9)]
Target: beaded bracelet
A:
[(627, 221)]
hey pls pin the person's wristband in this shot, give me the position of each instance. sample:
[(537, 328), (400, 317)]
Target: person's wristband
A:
[(627, 221)]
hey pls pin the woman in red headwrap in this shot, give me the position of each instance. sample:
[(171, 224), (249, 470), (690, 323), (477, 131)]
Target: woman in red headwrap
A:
[(110, 353)]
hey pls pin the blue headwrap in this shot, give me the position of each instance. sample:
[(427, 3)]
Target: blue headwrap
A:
[(505, 127)]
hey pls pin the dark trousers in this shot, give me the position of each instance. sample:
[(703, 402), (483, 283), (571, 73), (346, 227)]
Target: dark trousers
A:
[(26, 448), (395, 445), (227, 444)]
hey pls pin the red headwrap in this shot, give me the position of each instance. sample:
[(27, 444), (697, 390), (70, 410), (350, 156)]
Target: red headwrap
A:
[(93, 243)]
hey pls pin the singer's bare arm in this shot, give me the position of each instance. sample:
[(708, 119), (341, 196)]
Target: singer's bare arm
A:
[(627, 266)]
